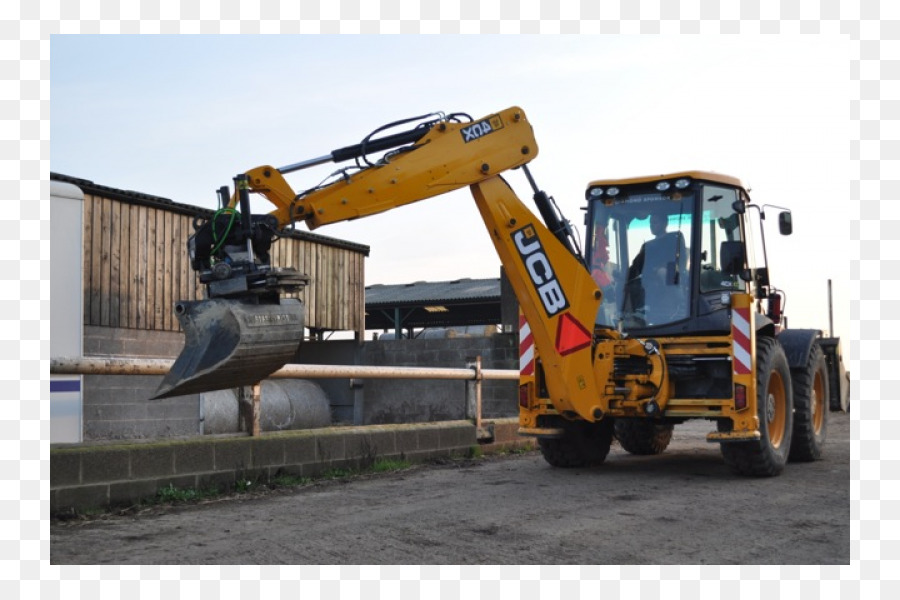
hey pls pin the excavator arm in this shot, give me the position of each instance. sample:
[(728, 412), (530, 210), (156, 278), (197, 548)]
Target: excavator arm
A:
[(446, 155), (556, 293)]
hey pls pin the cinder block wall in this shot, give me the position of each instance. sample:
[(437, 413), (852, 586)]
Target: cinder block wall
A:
[(417, 401), (92, 476), (116, 407), (404, 401)]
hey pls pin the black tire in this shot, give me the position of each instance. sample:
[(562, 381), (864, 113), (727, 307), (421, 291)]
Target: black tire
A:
[(643, 436), (583, 444), (810, 386), (767, 456)]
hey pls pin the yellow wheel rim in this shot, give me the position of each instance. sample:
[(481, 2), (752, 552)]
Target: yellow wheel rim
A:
[(776, 409), (817, 402)]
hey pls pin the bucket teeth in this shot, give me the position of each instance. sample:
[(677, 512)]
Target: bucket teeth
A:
[(232, 343)]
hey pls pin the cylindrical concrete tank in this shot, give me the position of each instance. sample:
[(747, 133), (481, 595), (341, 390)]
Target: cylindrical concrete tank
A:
[(284, 404)]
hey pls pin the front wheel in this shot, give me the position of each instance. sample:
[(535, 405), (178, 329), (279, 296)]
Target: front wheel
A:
[(767, 456), (583, 444), (643, 436)]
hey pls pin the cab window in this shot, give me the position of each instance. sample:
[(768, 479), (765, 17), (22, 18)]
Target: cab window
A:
[(720, 223)]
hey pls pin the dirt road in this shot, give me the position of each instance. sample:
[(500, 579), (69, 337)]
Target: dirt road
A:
[(682, 507)]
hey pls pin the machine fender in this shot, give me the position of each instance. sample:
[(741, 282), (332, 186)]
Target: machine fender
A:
[(797, 343)]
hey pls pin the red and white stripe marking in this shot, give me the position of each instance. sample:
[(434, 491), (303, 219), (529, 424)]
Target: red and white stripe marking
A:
[(526, 348), (740, 330)]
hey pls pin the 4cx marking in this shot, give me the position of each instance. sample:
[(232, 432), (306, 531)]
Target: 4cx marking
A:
[(539, 270), (481, 128)]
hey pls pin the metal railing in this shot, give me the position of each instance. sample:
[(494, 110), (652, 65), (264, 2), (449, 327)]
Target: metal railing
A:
[(472, 373)]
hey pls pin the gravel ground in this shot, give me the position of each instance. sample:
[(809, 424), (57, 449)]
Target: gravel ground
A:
[(681, 507)]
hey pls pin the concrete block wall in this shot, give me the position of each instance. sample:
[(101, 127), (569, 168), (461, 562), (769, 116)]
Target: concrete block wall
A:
[(92, 476), (417, 401), (116, 407), (393, 401)]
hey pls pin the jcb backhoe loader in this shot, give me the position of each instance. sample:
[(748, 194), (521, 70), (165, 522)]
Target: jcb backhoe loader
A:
[(665, 317)]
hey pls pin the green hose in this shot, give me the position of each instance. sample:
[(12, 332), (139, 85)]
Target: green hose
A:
[(220, 242)]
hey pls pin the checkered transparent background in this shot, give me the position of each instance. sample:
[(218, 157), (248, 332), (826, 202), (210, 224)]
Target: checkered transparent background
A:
[(25, 165)]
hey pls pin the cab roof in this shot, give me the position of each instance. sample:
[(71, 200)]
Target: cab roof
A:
[(704, 175)]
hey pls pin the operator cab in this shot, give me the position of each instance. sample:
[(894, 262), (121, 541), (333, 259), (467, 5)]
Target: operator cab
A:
[(666, 252)]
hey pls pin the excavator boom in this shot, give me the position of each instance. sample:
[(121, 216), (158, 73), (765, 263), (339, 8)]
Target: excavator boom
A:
[(446, 155), (555, 291)]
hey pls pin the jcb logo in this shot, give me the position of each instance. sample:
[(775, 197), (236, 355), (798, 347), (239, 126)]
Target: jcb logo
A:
[(540, 271), (481, 128)]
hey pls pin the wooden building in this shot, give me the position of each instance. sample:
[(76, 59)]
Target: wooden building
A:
[(136, 267), (136, 264)]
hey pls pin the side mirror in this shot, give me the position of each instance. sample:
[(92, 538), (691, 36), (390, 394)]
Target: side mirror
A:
[(785, 225), (733, 256), (739, 207)]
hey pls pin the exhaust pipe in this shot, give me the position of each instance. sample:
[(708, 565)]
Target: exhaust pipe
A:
[(231, 343)]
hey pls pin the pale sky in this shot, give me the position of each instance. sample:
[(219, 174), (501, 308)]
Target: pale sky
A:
[(179, 116)]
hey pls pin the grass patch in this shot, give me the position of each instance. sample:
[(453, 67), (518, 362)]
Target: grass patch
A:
[(172, 494), (338, 474), (387, 465), (290, 481), (380, 465)]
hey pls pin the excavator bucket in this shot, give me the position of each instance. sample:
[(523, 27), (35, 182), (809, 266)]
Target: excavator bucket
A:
[(231, 343)]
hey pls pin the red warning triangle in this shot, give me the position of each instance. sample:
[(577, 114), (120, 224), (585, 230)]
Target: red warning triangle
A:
[(571, 335)]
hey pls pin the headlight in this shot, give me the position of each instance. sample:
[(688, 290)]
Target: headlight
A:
[(613, 191), (682, 183), (595, 192), (663, 186)]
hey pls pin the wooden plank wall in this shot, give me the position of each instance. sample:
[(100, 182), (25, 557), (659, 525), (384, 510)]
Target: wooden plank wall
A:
[(136, 267), (335, 297)]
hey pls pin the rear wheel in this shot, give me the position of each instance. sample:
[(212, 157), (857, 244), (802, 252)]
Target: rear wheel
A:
[(767, 456), (810, 386), (643, 436), (582, 445)]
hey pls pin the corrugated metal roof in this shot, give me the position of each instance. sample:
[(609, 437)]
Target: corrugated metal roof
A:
[(132, 197), (420, 292)]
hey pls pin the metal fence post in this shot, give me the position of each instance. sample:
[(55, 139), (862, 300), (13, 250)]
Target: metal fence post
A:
[(249, 399), (478, 380), (358, 395), (470, 398)]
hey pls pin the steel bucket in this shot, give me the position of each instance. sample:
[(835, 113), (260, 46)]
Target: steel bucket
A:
[(232, 343)]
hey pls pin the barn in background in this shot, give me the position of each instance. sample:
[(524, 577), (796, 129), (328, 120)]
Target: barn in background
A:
[(136, 266)]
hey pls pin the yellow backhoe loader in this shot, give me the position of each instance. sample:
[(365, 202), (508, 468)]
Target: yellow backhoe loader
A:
[(667, 315)]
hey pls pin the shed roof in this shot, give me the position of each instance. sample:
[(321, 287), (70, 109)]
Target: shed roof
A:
[(434, 303), (459, 290), (132, 197)]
